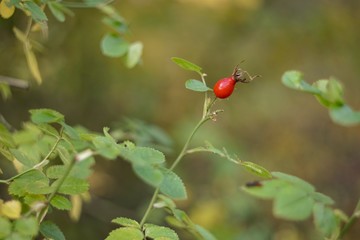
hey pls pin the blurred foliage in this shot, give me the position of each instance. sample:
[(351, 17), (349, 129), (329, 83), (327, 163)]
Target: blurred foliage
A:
[(263, 122)]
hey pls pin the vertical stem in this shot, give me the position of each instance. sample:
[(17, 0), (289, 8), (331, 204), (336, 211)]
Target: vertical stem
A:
[(175, 163), (355, 216), (148, 210)]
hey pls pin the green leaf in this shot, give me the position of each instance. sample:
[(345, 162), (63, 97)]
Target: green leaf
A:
[(5, 227), (345, 116), (186, 65), (165, 201), (28, 162), (59, 10), (125, 233), (80, 170), (256, 169), (322, 198), (331, 92), (126, 222), (204, 233), (196, 85), (27, 226), (33, 182), (118, 26), (160, 232), (112, 45), (173, 186), (30, 199), (106, 147), (265, 189), (51, 231), (36, 12), (72, 186), (61, 202), (134, 54), (44, 115), (296, 181), (141, 155), (70, 131), (6, 137), (325, 220), (293, 204), (149, 173), (55, 9), (294, 80)]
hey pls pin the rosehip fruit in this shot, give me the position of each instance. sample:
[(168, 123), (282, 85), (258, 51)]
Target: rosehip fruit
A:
[(224, 87)]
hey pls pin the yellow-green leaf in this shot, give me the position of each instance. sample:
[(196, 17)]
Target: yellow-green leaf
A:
[(6, 11), (11, 209), (32, 63)]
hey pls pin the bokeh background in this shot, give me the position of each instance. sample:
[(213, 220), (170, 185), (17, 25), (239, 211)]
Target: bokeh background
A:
[(263, 122)]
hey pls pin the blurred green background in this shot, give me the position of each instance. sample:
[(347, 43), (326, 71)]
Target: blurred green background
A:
[(263, 122)]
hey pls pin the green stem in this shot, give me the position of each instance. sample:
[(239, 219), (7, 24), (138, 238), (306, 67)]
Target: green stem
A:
[(175, 163), (183, 150), (149, 208), (355, 216)]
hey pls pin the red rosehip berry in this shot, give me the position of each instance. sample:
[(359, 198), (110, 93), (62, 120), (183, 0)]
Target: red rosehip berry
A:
[(224, 87)]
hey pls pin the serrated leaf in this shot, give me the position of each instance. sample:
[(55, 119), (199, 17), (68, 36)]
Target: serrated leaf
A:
[(256, 169), (28, 162), (70, 131), (160, 232), (72, 186), (45, 115), (196, 85), (185, 64), (126, 222), (51, 231), (106, 146), (30, 199), (325, 220), (293, 203), (294, 79), (33, 182), (11, 209), (149, 173), (5, 227), (6, 9), (141, 155), (345, 116), (6, 137), (36, 12), (125, 233), (27, 226), (112, 45), (295, 180), (61, 202), (80, 170), (134, 54), (173, 186)]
